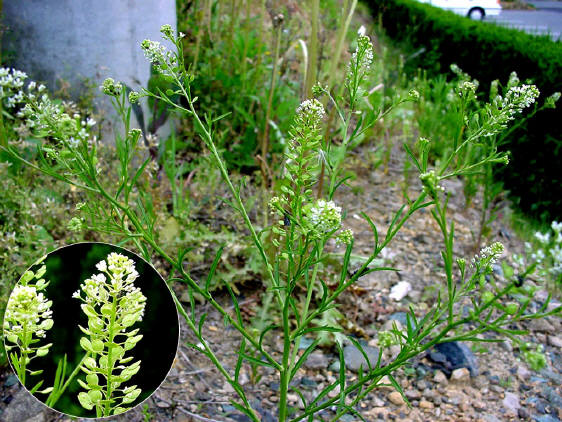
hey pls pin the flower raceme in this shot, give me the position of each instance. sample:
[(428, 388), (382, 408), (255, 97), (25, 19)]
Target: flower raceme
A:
[(27, 319), (113, 304)]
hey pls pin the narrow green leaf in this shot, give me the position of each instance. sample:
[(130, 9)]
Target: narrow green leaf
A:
[(213, 268), (362, 351), (240, 359), (303, 357), (373, 229), (413, 157), (399, 389), (36, 387)]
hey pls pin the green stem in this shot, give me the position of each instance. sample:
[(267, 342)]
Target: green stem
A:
[(309, 290), (24, 354), (284, 375), (109, 391), (211, 355)]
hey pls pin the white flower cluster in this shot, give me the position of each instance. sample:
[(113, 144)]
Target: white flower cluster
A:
[(39, 112), (467, 89), (311, 112), (111, 88), (430, 182), (28, 311), (12, 86), (488, 255), (159, 56), (549, 256), (362, 58), (504, 109), (345, 237), (113, 304), (520, 97), (324, 216), (121, 272)]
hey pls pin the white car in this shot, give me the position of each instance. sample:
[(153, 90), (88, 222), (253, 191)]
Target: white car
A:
[(474, 9)]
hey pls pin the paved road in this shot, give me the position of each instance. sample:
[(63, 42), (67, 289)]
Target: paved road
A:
[(546, 19)]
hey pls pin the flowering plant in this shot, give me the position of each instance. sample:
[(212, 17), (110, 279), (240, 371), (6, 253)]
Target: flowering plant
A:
[(27, 319), (113, 305), (301, 233)]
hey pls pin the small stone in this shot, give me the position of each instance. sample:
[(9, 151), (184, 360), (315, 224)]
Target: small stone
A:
[(227, 388), (523, 413), (541, 325), (354, 359), (377, 402), (23, 407), (479, 405), (412, 394), (317, 360), (545, 418), (424, 404), (523, 373), (396, 398), (11, 380), (453, 355), (335, 392), (460, 375), (507, 346), (555, 341), (400, 317), (391, 323), (292, 398), (440, 378), (511, 402)]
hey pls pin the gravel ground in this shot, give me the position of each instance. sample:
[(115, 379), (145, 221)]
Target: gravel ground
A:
[(489, 385)]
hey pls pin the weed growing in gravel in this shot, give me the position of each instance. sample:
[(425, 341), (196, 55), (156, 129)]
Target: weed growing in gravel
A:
[(452, 114), (304, 226)]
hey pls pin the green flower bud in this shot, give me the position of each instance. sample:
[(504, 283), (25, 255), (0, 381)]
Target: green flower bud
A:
[(111, 88), (134, 97)]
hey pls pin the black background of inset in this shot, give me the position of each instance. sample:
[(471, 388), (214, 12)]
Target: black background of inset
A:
[(67, 268)]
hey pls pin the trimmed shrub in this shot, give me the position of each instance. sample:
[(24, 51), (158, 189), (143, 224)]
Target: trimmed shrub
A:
[(487, 52)]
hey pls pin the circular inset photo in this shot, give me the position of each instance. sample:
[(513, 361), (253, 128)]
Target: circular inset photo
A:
[(91, 330)]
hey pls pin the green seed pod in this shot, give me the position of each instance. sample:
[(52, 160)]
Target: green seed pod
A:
[(97, 345), (95, 395), (26, 277), (90, 363), (487, 297), (129, 320), (42, 352), (85, 401), (511, 308), (86, 345), (89, 310), (92, 379), (47, 324), (106, 309), (40, 272), (131, 396)]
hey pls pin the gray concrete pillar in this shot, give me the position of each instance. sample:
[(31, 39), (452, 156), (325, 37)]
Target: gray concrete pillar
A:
[(83, 40)]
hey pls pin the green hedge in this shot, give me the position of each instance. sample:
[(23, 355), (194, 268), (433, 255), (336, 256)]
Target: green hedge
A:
[(488, 52)]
